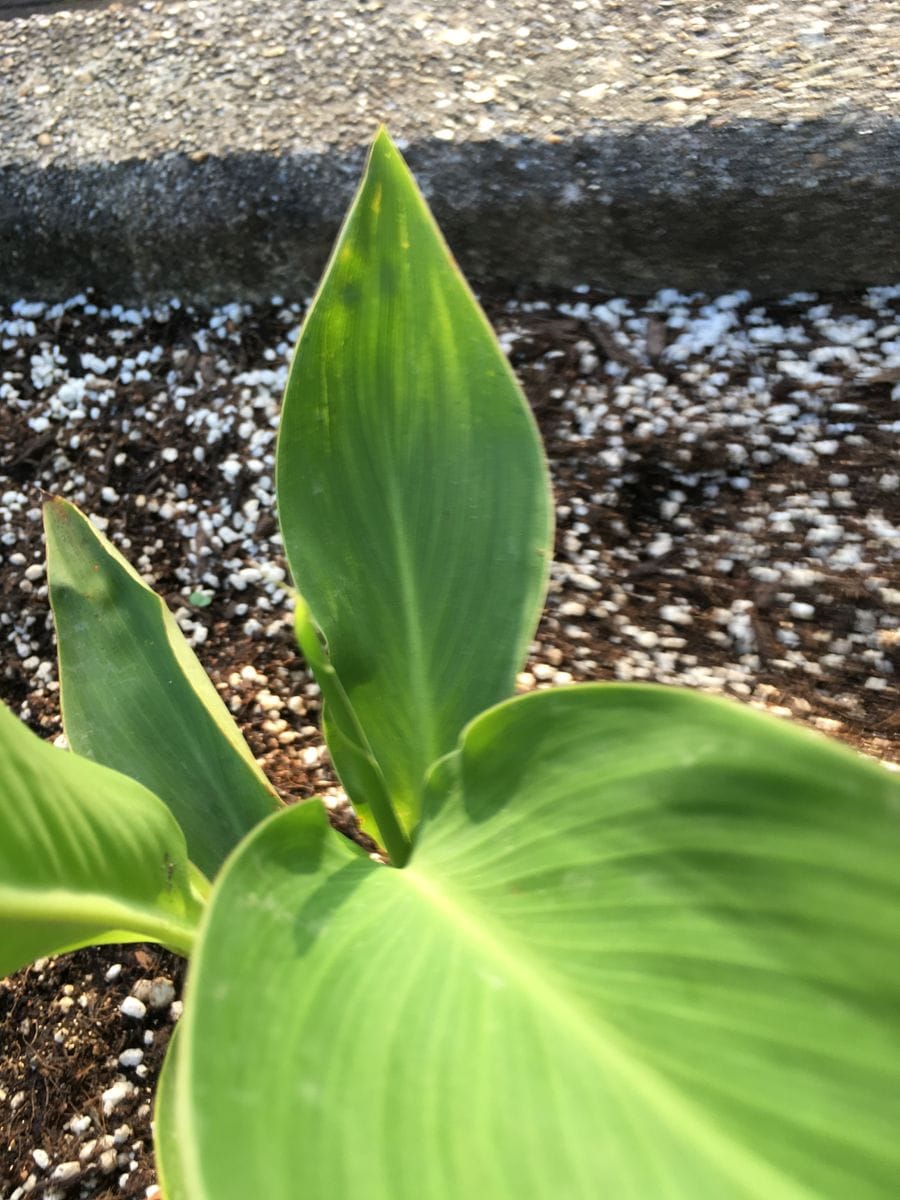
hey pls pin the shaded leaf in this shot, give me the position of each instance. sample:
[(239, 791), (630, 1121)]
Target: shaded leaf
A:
[(135, 698), (347, 743)]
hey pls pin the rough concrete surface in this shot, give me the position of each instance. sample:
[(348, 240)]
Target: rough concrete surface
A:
[(208, 148)]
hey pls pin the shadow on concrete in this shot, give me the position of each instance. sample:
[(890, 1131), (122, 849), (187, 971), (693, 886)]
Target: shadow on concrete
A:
[(814, 207)]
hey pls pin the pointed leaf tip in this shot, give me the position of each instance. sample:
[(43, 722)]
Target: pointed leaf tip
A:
[(412, 485)]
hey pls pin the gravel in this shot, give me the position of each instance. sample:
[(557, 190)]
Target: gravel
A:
[(736, 457), (728, 504), (75, 1086)]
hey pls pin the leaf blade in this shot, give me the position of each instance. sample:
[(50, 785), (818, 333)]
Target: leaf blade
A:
[(665, 969), (86, 856), (167, 1126), (426, 567), (135, 698)]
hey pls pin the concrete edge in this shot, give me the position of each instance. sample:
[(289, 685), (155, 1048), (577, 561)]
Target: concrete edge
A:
[(745, 204)]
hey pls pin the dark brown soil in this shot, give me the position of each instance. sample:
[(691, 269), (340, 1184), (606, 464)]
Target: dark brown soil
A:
[(62, 1034), (60, 1022)]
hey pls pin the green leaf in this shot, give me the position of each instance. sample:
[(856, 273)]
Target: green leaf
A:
[(350, 751), (166, 1126), (646, 946), (412, 488), (86, 856), (134, 696)]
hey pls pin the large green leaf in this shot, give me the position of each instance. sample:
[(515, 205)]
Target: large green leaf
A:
[(86, 856), (646, 946), (134, 697), (412, 489)]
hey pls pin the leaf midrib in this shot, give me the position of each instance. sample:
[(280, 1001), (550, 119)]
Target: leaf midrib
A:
[(412, 620)]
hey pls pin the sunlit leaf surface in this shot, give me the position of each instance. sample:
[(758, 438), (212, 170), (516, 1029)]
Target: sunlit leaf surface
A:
[(166, 1126), (86, 855), (412, 491), (645, 947)]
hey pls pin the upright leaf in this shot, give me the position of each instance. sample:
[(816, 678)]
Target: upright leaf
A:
[(167, 1127), (86, 855), (412, 488), (135, 698), (350, 751), (646, 946)]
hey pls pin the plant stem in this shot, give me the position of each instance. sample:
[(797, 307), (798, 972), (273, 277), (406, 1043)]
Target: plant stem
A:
[(394, 840)]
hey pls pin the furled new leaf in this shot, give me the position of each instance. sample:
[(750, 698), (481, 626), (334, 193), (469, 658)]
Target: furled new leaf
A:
[(412, 489), (347, 742), (86, 855), (135, 698), (646, 946)]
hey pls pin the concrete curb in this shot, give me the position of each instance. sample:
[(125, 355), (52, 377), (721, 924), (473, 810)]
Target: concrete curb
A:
[(515, 214), (712, 200)]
